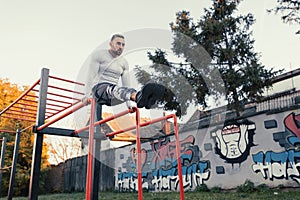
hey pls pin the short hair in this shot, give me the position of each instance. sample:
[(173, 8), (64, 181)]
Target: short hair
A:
[(117, 35)]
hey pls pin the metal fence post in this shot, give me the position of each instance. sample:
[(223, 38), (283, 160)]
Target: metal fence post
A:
[(3, 147), (14, 165), (38, 140)]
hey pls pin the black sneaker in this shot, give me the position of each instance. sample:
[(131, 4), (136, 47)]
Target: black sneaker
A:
[(149, 94)]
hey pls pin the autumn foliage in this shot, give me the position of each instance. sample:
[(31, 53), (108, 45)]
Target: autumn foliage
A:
[(8, 93)]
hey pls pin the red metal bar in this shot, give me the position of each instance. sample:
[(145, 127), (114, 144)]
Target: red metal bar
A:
[(64, 108), (50, 99), (141, 125), (66, 80), (25, 104), (177, 146), (24, 108), (63, 96), (67, 90), (21, 111), (21, 119), (19, 114), (59, 101), (51, 110), (7, 131), (105, 120), (27, 127), (20, 97), (29, 100), (178, 157), (31, 95), (139, 152), (66, 113), (89, 173), (54, 110)]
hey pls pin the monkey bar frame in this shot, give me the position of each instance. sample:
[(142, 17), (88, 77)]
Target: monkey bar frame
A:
[(50, 110)]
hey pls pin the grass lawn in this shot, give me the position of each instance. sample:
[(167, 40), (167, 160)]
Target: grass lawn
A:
[(265, 194)]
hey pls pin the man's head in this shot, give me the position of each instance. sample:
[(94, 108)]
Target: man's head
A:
[(117, 44)]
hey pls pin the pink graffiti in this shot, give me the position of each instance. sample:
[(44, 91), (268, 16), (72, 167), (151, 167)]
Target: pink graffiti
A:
[(291, 123), (133, 155), (168, 150)]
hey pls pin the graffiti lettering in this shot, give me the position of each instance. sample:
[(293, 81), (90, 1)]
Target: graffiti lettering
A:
[(278, 165), (167, 180), (162, 166), (128, 181), (165, 152)]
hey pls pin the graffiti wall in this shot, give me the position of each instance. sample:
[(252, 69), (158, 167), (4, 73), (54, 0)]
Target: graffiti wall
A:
[(263, 149)]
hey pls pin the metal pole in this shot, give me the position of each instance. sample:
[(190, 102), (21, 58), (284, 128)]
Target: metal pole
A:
[(14, 165), (89, 172), (3, 147), (97, 149), (96, 168), (139, 156), (38, 140), (178, 158)]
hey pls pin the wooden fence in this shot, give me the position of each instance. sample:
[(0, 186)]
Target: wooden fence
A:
[(70, 176)]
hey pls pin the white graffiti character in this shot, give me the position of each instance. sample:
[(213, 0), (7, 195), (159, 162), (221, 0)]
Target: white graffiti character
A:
[(232, 140)]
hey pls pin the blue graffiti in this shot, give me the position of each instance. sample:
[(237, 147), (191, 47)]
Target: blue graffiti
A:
[(278, 165), (166, 179)]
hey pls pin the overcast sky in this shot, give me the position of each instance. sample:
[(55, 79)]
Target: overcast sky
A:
[(60, 34)]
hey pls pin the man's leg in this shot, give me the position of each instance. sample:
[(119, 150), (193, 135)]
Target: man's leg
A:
[(149, 95)]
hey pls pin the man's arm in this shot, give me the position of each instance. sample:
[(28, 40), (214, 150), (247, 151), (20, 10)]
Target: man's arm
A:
[(92, 67), (125, 78)]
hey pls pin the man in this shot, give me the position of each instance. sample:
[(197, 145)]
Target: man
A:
[(105, 68)]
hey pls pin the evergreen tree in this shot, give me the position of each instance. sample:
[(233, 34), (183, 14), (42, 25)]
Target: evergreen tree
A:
[(290, 11), (227, 41)]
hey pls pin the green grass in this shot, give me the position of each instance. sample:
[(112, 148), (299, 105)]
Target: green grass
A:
[(219, 195)]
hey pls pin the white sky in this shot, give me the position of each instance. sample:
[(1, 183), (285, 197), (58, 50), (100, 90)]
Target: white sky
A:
[(60, 34)]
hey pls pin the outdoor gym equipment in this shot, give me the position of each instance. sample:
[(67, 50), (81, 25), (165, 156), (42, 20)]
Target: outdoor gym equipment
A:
[(42, 108)]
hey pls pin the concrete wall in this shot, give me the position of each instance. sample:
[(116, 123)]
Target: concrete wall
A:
[(263, 148)]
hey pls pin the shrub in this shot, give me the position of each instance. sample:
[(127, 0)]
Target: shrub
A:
[(202, 188), (246, 187)]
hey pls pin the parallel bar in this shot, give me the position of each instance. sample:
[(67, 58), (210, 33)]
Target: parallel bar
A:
[(66, 80), (66, 113), (20, 97), (105, 120), (67, 90), (142, 125)]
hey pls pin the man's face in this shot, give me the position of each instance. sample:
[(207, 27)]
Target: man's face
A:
[(117, 46)]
